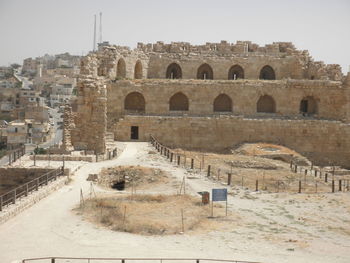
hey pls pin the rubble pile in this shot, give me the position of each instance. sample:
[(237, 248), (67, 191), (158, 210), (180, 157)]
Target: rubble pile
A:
[(135, 175)]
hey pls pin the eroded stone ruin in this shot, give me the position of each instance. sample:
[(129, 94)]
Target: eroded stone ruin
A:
[(211, 97)]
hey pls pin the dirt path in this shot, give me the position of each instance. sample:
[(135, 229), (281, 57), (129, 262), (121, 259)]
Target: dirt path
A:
[(267, 233)]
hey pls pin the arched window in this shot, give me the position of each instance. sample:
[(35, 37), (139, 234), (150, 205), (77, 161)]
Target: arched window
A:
[(121, 69), (267, 73), (266, 104), (205, 72), (222, 103), (308, 105), (178, 102), (138, 70), (135, 102), (236, 72), (174, 71)]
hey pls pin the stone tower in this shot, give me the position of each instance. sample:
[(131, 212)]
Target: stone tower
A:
[(346, 85), (91, 119)]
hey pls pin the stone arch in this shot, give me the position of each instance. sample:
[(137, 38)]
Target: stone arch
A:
[(236, 72), (138, 70), (178, 102), (222, 103), (135, 102), (308, 105), (266, 104), (121, 68), (205, 71), (174, 71), (267, 72)]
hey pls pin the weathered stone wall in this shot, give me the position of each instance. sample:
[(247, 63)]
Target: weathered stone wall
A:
[(283, 57), (330, 97), (286, 67), (324, 142), (68, 126), (103, 86), (90, 120)]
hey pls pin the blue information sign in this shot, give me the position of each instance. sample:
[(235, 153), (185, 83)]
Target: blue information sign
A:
[(219, 194)]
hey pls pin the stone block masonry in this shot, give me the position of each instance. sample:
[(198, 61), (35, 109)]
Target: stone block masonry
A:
[(324, 142), (212, 97)]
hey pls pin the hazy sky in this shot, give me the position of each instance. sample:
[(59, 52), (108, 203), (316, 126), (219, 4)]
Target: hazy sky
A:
[(30, 28)]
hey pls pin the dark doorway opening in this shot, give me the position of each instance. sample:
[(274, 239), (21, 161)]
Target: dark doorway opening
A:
[(304, 106), (134, 133)]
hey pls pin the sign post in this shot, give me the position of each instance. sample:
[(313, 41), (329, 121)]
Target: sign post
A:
[(217, 196)]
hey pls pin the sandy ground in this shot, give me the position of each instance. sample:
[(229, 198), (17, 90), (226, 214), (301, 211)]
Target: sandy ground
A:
[(273, 227)]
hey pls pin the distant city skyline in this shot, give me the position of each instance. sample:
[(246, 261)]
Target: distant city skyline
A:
[(38, 27)]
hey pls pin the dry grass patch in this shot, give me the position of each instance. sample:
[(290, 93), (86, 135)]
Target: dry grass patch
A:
[(151, 214)]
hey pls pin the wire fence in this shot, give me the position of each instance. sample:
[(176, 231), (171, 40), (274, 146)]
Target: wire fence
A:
[(304, 179), (15, 154)]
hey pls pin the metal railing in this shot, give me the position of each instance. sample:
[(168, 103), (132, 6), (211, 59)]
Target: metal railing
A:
[(31, 186), (15, 154), (124, 260)]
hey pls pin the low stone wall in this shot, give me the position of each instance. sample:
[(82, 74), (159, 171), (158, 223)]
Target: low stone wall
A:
[(66, 158), (324, 142)]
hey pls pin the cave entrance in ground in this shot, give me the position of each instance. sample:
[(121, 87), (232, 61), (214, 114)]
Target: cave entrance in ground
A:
[(134, 133)]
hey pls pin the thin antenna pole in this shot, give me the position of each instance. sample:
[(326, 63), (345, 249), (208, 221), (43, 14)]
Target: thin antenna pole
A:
[(100, 39), (94, 46)]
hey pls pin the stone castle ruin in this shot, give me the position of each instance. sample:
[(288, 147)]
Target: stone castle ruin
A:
[(212, 97)]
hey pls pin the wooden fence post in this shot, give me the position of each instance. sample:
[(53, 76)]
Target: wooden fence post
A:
[(299, 191), (340, 186), (178, 160), (257, 185), (192, 164), (316, 186), (229, 175), (333, 186), (208, 174), (14, 196), (1, 203), (171, 157)]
